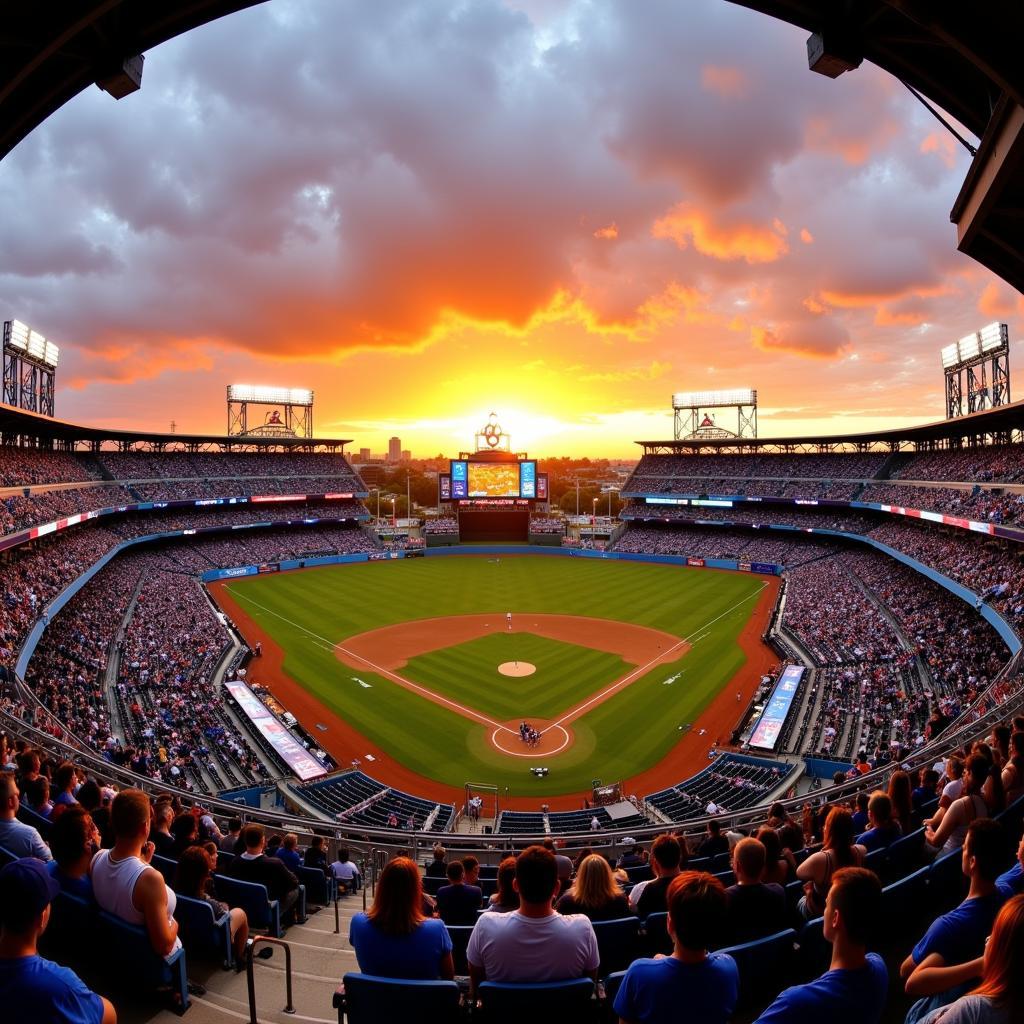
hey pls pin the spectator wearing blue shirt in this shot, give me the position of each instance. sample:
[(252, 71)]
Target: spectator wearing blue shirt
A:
[(31, 988), (884, 830), (942, 964), (15, 837), (705, 984), (288, 853), (860, 816), (458, 903), (853, 989), (394, 939), (1011, 883)]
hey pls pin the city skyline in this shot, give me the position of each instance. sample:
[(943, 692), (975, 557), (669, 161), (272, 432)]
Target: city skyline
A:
[(429, 211)]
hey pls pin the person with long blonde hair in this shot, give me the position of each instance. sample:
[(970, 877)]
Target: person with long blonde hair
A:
[(393, 939), (595, 893), (999, 999)]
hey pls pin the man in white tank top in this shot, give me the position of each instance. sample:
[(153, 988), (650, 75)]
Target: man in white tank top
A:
[(124, 883)]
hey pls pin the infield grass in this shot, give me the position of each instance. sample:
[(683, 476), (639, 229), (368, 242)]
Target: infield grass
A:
[(309, 612)]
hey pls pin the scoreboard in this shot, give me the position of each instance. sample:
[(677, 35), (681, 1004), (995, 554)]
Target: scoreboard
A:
[(468, 480)]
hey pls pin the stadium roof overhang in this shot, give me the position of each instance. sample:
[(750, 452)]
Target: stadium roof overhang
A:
[(1003, 424), (30, 427), (965, 59)]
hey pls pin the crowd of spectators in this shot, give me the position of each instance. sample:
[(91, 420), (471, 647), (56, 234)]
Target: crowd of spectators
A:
[(442, 526), (547, 524)]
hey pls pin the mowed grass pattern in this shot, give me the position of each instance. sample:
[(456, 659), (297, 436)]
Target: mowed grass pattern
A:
[(468, 674), (310, 611)]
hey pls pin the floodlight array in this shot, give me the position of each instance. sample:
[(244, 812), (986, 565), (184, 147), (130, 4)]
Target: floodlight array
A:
[(710, 399), (22, 338), (988, 341), (269, 396)]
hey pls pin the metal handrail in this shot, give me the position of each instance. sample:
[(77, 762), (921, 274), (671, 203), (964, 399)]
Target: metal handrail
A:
[(250, 978)]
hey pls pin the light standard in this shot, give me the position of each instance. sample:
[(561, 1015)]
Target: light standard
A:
[(593, 522), (377, 489), (577, 500), (610, 489)]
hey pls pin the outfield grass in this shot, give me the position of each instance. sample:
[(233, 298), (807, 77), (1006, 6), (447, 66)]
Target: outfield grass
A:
[(308, 612), (468, 674)]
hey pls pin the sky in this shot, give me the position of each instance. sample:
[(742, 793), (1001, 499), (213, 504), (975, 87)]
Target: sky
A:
[(559, 210)]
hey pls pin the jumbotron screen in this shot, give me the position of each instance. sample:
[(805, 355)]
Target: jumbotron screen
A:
[(493, 479)]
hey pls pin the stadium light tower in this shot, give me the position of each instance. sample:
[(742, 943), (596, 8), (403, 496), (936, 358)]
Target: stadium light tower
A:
[(983, 359), (30, 365), (694, 414)]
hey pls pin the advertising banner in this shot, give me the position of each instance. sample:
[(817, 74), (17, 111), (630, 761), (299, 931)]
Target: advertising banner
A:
[(769, 725)]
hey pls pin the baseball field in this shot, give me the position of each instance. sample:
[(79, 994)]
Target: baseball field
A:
[(424, 669)]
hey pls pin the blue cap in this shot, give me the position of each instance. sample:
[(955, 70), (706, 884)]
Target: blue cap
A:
[(26, 889)]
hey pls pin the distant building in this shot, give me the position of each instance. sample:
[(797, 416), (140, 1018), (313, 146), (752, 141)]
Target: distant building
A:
[(406, 455), (395, 449), (364, 454)]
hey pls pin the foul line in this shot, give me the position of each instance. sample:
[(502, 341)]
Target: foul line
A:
[(402, 681), (625, 680), (469, 712)]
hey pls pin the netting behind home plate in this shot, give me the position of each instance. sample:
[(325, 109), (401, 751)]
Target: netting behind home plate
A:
[(481, 806)]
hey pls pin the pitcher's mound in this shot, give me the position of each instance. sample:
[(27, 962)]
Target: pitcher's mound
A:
[(516, 668)]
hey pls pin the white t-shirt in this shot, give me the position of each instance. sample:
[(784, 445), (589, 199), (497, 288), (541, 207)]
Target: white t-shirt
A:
[(637, 891), (514, 948), (953, 790)]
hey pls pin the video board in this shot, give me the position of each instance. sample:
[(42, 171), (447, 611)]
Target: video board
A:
[(493, 479)]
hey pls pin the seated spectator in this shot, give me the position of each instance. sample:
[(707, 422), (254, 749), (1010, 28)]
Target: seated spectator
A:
[(65, 780), (999, 999), (394, 939), (780, 864), (505, 899), (345, 871), (255, 866), (756, 908), (31, 988), (1011, 883), (123, 882), (194, 879), (966, 808), (208, 830), (595, 893), (160, 835), (185, 830), (691, 984), (884, 830), (533, 943), (15, 837), (837, 851), (631, 856), (73, 842), (471, 870), (564, 863), (853, 989), (315, 855), (229, 843), (37, 797), (289, 854), (860, 816), (457, 903), (714, 842), (901, 799), (1013, 770), (666, 855), (437, 868), (926, 789), (943, 963)]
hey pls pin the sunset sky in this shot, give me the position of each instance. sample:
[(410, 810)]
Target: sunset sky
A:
[(560, 210)]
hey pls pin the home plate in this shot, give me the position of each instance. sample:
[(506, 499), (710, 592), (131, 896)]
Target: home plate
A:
[(516, 668)]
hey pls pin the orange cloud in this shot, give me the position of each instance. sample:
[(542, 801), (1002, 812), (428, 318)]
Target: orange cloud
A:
[(610, 231), (728, 82), (817, 337), (942, 146), (684, 223), (806, 237), (1001, 302)]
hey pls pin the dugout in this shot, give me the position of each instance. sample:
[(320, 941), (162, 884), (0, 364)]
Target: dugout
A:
[(508, 525)]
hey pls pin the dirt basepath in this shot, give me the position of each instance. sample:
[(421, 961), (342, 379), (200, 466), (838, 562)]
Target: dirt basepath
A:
[(345, 743)]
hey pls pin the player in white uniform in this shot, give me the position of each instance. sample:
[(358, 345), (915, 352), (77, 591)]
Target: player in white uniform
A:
[(508, 620)]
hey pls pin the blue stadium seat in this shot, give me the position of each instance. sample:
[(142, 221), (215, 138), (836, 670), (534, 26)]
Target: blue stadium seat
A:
[(127, 946), (264, 914), (947, 885), (618, 942), (166, 866), (1012, 816), (320, 890), (902, 902), (70, 919), (6, 857), (656, 936), (513, 1004), (815, 951), (459, 934), (29, 817), (203, 935), (367, 999), (640, 873), (904, 855), (764, 965)]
